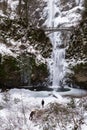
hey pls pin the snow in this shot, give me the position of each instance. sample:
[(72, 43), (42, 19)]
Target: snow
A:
[(13, 4), (1, 14), (84, 127), (18, 104), (4, 50), (66, 18), (74, 62), (22, 98), (15, 45)]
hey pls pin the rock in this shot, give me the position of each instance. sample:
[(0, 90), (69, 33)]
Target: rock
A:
[(77, 51), (22, 71), (77, 44), (9, 72), (79, 76)]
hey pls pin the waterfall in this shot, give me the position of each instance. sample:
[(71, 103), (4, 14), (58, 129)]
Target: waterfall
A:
[(58, 58), (57, 64), (60, 16)]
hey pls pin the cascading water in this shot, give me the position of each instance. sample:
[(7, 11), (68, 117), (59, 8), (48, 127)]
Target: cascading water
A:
[(58, 58), (59, 16), (57, 64)]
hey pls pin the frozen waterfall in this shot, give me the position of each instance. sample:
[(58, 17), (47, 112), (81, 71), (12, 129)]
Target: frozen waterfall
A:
[(57, 64), (60, 15)]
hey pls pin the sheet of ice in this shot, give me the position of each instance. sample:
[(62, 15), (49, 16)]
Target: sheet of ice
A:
[(74, 92)]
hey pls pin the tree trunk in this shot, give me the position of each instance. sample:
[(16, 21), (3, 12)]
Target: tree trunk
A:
[(19, 9)]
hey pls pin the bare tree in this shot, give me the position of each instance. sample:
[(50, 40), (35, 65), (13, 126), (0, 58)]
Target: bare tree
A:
[(30, 11), (19, 7)]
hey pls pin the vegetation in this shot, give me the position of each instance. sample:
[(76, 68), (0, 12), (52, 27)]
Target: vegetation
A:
[(23, 70), (77, 50), (54, 115), (84, 15), (9, 71), (80, 75)]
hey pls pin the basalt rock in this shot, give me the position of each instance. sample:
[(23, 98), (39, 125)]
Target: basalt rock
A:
[(78, 43), (16, 29), (79, 76), (77, 50), (22, 71), (9, 72)]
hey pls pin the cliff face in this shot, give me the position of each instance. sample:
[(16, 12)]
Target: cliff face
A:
[(78, 43), (77, 54), (24, 47)]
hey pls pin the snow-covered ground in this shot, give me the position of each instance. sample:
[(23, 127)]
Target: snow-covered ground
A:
[(17, 104)]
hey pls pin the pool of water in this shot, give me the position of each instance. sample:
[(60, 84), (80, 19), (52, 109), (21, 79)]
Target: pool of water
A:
[(52, 91)]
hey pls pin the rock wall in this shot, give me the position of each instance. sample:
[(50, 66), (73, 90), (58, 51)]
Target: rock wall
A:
[(25, 65), (77, 54)]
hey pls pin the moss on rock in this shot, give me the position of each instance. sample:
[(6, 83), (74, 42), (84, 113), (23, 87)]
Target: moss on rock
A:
[(22, 71), (9, 72), (36, 74)]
